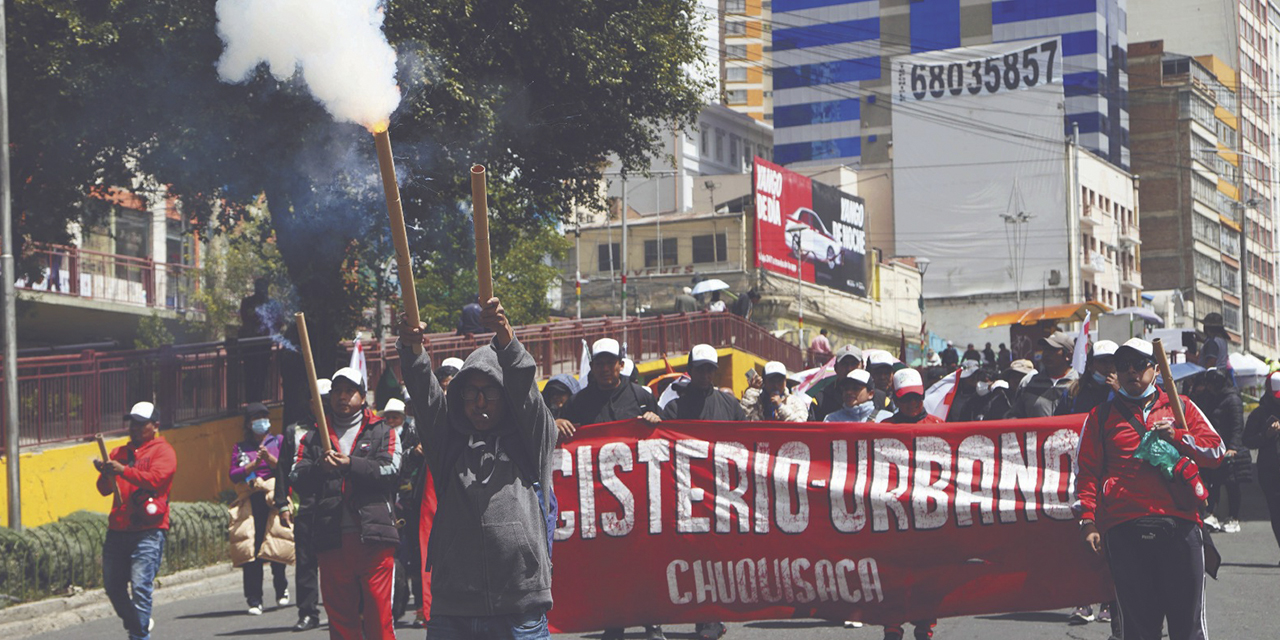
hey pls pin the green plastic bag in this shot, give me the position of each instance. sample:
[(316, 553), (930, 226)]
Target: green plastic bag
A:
[(1159, 453)]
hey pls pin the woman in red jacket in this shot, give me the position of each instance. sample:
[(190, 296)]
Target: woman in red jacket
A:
[(1152, 541)]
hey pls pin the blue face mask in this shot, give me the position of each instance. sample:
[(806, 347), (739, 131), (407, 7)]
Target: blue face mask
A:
[(260, 427), (1146, 393), (1098, 377)]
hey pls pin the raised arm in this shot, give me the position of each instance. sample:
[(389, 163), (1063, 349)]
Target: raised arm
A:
[(519, 382), (430, 407)]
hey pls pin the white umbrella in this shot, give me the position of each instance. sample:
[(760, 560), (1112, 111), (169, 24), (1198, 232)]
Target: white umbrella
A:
[(707, 286)]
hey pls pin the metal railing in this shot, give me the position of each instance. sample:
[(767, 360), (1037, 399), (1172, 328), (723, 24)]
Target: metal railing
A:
[(71, 397), (109, 277)]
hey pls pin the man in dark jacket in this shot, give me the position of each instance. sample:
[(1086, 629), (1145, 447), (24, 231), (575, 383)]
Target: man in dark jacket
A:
[(355, 535), (966, 404), (488, 442), (469, 322), (1047, 393), (306, 566), (608, 397), (744, 304), (701, 400), (831, 399)]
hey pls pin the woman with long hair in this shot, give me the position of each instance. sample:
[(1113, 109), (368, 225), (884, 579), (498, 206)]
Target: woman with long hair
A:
[(1213, 392)]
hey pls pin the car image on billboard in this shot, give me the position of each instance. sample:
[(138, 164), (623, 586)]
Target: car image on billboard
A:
[(810, 240)]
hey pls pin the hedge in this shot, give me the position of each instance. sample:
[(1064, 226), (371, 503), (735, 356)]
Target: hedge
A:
[(56, 558)]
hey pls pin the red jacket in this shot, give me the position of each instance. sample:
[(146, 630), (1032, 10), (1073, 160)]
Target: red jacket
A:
[(1112, 486), (147, 478)]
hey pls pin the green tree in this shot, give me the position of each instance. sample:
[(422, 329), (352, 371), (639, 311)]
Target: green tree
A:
[(542, 94), (243, 253), (152, 334)]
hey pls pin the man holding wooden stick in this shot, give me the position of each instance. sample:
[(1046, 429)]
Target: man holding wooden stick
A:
[(139, 474), (354, 480), (1143, 518), (488, 442)]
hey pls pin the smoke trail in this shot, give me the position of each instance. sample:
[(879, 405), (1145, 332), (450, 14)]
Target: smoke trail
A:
[(345, 59)]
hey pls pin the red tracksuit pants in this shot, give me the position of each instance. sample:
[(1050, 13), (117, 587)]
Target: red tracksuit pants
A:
[(356, 573)]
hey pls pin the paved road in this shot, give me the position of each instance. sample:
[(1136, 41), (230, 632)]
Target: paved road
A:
[(1242, 605)]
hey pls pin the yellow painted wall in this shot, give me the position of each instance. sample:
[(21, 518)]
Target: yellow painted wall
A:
[(57, 481), (732, 372)]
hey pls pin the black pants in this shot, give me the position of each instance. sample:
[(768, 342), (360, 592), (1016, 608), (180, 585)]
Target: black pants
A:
[(1158, 568), (252, 571), (306, 568), (1269, 480)]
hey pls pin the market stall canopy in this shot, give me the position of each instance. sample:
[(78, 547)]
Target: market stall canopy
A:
[(1058, 312)]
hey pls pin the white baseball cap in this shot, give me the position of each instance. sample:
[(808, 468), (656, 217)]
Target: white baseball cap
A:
[(907, 381), (969, 367), (605, 345), (1138, 345), (1103, 348), (456, 363), (141, 412), (394, 405), (350, 375), (775, 368), (703, 354), (880, 359), (859, 375), (324, 386)]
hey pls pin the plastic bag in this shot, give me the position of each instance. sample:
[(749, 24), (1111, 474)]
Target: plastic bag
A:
[(1159, 453)]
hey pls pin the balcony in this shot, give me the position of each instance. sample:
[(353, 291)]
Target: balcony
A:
[(1090, 216), (109, 278), (1129, 235), (1131, 279), (1093, 262)]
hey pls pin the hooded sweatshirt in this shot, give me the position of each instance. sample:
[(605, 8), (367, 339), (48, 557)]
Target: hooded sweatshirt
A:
[(488, 544), (594, 405)]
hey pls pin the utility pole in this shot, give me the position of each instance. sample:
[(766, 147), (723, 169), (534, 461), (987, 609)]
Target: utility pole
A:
[(6, 290), (1244, 274), (624, 247)]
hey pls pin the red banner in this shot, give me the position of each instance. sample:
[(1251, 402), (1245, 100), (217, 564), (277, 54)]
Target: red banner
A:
[(695, 521)]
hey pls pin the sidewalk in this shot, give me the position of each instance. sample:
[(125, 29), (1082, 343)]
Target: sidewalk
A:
[(53, 614)]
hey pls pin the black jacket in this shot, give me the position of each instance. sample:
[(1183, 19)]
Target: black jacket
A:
[(1090, 393), (965, 406), (705, 404), (368, 486), (284, 483), (1257, 436), (594, 405)]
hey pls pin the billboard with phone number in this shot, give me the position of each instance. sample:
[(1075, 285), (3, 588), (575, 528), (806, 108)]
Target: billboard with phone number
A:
[(811, 228)]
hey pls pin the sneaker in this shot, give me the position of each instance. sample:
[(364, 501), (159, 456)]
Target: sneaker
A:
[(1212, 522), (710, 630), (1082, 615), (654, 632), (307, 623), (1232, 526), (852, 624), (255, 610), (151, 624), (1104, 613), (613, 634), (419, 620), (283, 600)]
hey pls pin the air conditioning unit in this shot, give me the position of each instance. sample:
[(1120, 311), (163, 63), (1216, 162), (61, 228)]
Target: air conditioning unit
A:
[(1055, 278)]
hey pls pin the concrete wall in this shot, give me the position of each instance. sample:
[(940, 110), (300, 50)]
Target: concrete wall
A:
[(957, 319), (59, 480)]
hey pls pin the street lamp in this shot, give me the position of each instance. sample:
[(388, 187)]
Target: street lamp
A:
[(922, 265)]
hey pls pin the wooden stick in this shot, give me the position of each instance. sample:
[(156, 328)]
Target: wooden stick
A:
[(102, 449), (480, 214), (1170, 387), (399, 238), (317, 403)]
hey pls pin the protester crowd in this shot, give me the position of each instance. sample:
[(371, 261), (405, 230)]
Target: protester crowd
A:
[(443, 497)]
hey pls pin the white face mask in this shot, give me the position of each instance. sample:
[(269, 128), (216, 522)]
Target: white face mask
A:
[(983, 388), (261, 426)]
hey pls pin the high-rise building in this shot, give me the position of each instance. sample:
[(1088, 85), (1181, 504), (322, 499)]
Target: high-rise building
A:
[(746, 60), (1186, 113), (831, 68), (1236, 32)]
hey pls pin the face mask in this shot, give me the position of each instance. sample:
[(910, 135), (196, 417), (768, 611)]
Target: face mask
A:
[(260, 427), (1098, 377), (1146, 393), (984, 388)]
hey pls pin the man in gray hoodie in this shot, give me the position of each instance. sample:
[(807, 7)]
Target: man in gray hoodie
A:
[(488, 442)]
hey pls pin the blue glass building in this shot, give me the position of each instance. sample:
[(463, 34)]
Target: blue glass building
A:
[(831, 67)]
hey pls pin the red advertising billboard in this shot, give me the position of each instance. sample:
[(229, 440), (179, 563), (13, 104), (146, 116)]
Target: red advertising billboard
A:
[(811, 227)]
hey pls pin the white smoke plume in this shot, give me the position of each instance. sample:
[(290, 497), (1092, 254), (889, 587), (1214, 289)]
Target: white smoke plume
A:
[(345, 59)]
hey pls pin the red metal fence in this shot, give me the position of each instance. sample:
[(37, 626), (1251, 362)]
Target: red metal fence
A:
[(72, 397), (114, 278)]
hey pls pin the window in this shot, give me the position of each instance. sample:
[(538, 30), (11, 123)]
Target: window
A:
[(735, 6), (668, 257), (735, 28), (739, 51), (1204, 191), (710, 248), (735, 74), (1206, 230), (733, 146), (703, 148), (1198, 109), (1230, 242), (1230, 280), (610, 257), (1208, 270), (735, 96), (719, 145)]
